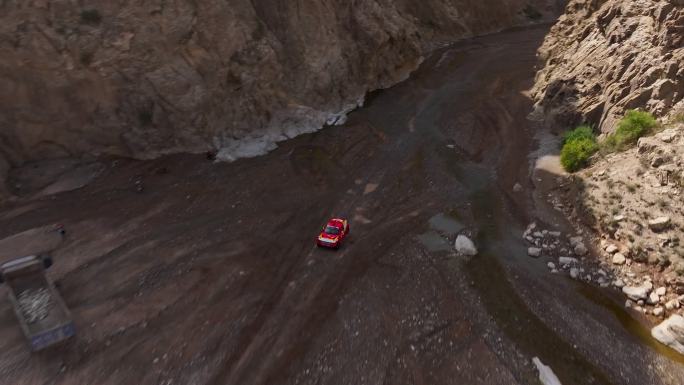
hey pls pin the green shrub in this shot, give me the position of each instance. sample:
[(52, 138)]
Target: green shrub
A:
[(581, 132), (633, 126), (576, 153)]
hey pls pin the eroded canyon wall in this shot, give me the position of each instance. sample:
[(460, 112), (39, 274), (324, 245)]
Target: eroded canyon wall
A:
[(143, 78), (606, 56)]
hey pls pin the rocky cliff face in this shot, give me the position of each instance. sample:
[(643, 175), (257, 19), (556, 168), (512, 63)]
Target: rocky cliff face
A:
[(606, 56), (146, 78)]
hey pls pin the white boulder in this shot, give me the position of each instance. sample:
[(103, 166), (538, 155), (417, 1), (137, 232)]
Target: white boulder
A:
[(671, 332), (566, 261), (672, 304), (637, 293), (546, 375), (534, 252), (465, 246), (574, 241), (659, 224), (653, 298), (619, 259)]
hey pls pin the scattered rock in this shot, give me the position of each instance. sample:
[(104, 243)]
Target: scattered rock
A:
[(679, 287), (653, 299), (566, 261), (465, 246), (581, 250), (637, 293), (619, 259), (658, 311), (574, 273), (574, 241), (657, 161), (671, 332), (517, 188), (534, 252), (611, 249), (659, 224), (672, 304), (667, 136), (646, 145), (661, 291), (370, 188), (619, 283), (546, 375), (551, 265)]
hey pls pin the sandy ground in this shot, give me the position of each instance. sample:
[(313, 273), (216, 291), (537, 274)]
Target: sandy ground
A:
[(210, 274)]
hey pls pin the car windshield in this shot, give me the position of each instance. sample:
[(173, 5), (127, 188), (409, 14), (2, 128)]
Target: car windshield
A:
[(332, 230)]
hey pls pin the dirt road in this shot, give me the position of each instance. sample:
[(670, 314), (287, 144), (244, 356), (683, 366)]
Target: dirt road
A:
[(210, 275)]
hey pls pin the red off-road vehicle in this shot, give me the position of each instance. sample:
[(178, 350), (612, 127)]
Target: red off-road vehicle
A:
[(333, 233)]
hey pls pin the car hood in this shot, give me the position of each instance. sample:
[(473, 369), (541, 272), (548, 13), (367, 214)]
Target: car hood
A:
[(329, 236)]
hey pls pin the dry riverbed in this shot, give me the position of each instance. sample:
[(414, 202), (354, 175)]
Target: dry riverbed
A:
[(185, 271)]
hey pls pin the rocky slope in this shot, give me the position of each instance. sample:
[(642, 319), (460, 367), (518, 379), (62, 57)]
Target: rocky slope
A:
[(606, 56), (143, 79), (633, 202), (602, 58)]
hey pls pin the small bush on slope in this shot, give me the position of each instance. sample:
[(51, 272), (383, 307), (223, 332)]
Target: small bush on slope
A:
[(581, 132), (578, 146), (633, 126)]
